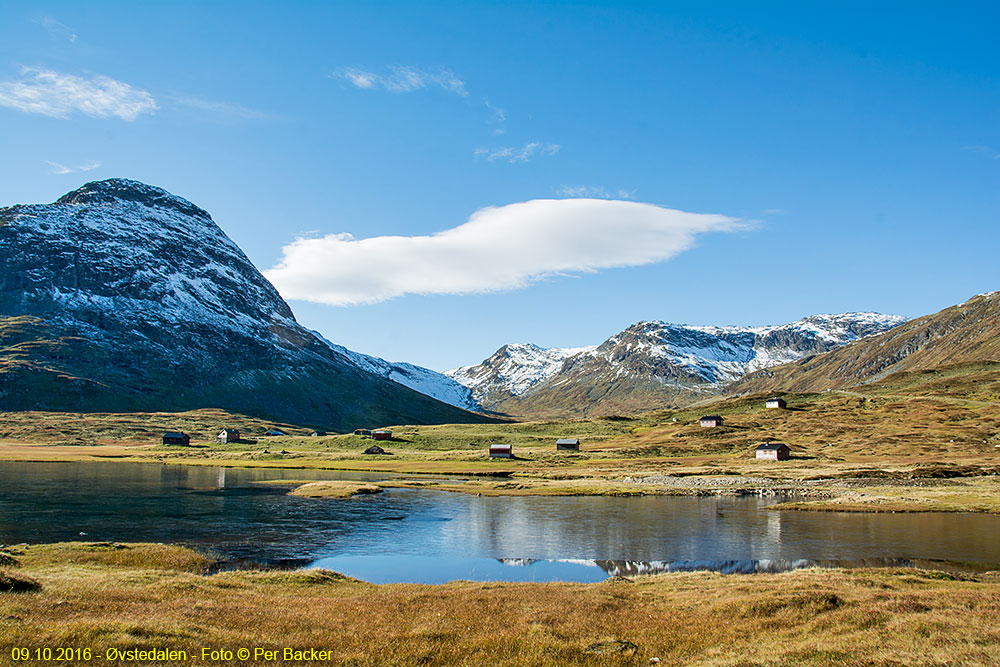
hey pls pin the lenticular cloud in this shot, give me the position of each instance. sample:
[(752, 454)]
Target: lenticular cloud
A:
[(501, 248)]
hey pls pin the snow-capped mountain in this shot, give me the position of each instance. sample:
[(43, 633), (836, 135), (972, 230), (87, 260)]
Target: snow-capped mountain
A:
[(121, 297), (512, 370), (651, 364)]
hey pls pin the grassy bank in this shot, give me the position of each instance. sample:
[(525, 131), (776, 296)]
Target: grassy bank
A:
[(153, 596)]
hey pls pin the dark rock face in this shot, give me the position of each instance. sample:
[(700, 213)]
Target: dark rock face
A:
[(121, 296)]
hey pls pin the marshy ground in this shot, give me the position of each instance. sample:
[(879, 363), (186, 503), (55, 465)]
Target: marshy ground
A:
[(103, 596)]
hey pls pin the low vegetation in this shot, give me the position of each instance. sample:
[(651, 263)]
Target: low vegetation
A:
[(806, 617), (910, 426)]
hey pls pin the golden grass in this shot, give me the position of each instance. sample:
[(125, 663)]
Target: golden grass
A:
[(808, 617), (334, 489)]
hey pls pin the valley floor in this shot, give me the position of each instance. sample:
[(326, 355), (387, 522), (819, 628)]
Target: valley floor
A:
[(927, 441), (126, 597)]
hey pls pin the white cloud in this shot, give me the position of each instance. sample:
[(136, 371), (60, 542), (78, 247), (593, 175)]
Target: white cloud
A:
[(501, 248), (593, 191), (57, 29), (59, 95), (775, 211), (220, 108), (514, 154), (403, 79), (59, 169)]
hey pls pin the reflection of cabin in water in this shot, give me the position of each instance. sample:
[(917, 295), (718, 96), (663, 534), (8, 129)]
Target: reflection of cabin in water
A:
[(382, 435), (501, 451), (709, 421), (775, 403), (228, 435), (176, 438), (568, 443), (773, 451)]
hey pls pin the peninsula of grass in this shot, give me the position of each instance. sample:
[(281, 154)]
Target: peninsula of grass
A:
[(145, 596), (334, 489)]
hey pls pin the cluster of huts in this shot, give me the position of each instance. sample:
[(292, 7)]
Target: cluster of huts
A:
[(378, 434), (503, 451), (773, 451), (225, 436)]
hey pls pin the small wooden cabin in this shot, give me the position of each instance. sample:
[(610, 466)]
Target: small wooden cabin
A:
[(176, 438), (773, 451), (382, 435), (228, 435), (501, 451), (363, 432), (775, 404), (568, 443), (709, 421)]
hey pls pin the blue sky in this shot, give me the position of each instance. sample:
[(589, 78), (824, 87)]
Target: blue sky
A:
[(850, 155)]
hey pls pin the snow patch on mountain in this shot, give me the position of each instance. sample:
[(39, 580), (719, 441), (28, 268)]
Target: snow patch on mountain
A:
[(432, 383), (697, 356), (516, 367)]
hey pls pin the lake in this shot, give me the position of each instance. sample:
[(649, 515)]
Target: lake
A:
[(430, 536)]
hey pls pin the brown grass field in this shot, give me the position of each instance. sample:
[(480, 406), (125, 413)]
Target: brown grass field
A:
[(153, 596)]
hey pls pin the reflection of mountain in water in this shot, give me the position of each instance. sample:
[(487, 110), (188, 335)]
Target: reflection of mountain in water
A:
[(631, 568)]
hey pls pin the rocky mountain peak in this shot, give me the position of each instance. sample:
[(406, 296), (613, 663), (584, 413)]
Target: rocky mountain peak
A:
[(117, 190), (137, 300)]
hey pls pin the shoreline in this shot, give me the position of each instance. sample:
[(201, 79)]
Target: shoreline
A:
[(901, 491)]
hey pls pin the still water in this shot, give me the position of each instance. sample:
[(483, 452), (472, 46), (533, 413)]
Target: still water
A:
[(429, 537)]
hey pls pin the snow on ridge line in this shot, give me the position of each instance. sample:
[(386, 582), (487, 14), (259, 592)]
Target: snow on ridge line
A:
[(420, 379), (716, 354)]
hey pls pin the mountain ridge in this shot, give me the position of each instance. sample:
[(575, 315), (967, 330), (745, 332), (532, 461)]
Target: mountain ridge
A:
[(650, 365), (968, 332), (120, 294)]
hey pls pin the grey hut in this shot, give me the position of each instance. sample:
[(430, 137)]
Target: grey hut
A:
[(228, 435), (568, 443), (710, 421), (773, 451)]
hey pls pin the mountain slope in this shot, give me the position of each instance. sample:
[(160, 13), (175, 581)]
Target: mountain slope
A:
[(122, 297), (963, 334), (650, 365)]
